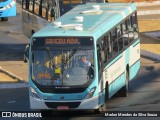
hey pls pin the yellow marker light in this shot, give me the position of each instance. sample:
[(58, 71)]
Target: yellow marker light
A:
[(57, 70)]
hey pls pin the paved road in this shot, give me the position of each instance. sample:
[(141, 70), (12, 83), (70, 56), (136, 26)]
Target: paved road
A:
[(143, 96)]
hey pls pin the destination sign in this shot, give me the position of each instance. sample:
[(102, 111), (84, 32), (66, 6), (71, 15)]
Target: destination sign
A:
[(62, 41)]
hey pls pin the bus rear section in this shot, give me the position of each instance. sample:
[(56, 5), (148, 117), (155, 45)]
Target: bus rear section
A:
[(7, 9), (58, 78)]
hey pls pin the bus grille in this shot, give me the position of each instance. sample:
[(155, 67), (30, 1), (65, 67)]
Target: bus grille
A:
[(56, 104)]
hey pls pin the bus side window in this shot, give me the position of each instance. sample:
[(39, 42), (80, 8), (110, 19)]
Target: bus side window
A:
[(99, 56), (44, 8), (50, 13), (114, 38), (130, 29), (134, 24), (110, 45), (37, 7), (125, 33), (25, 4), (104, 55), (31, 5), (120, 37)]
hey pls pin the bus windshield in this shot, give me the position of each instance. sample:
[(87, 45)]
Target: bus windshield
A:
[(62, 66)]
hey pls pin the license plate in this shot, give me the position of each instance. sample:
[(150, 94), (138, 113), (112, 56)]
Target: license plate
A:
[(62, 107)]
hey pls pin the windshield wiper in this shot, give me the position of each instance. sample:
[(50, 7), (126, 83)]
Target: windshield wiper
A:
[(71, 55), (50, 56)]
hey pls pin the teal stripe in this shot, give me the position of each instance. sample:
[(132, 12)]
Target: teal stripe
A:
[(117, 84), (134, 69)]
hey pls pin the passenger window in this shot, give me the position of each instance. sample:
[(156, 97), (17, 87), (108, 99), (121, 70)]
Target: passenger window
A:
[(129, 25), (31, 5), (44, 8), (119, 31), (99, 56), (50, 12), (37, 6), (109, 46), (114, 38), (24, 4), (120, 37), (135, 26), (114, 35)]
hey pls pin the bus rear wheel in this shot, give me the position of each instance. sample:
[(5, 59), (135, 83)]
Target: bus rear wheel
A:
[(123, 92), (4, 19)]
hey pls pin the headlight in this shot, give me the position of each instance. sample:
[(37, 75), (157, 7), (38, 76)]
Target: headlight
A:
[(34, 93), (90, 94)]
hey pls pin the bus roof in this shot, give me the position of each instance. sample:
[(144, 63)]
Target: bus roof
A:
[(93, 23)]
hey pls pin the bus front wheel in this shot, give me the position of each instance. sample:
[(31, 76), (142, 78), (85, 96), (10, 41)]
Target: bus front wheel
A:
[(102, 108)]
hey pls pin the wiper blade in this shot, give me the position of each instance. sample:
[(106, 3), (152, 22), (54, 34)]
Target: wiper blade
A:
[(71, 55), (50, 56)]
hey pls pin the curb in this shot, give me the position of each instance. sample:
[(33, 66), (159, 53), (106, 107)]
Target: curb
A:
[(152, 35), (148, 12), (150, 55), (151, 3), (12, 75)]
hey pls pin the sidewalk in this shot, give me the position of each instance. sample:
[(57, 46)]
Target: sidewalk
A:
[(148, 8), (16, 71)]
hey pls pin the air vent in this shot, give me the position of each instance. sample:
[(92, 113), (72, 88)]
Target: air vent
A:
[(94, 9), (58, 24), (80, 28), (73, 26), (97, 7), (91, 11), (79, 18)]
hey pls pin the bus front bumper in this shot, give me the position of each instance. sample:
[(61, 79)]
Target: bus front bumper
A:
[(91, 103)]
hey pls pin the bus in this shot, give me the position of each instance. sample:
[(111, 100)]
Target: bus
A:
[(107, 35), (7, 9), (38, 13)]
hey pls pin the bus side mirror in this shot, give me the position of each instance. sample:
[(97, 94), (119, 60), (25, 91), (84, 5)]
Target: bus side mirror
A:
[(26, 53)]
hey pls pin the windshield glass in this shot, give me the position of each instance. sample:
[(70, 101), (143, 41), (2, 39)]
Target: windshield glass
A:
[(62, 67)]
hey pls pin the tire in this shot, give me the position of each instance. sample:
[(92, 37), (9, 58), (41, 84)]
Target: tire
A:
[(123, 92), (102, 108), (4, 19)]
